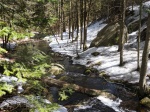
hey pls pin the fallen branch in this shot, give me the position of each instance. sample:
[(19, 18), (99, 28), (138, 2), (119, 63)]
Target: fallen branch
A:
[(92, 92)]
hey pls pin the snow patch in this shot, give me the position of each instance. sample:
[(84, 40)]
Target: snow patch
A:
[(112, 104)]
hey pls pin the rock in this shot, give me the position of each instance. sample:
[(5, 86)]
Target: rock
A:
[(16, 100), (109, 35), (133, 23), (95, 53), (61, 109), (39, 35), (145, 101), (56, 69), (20, 101)]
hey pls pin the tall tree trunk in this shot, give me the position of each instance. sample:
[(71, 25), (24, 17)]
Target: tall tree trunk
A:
[(61, 24), (70, 19), (139, 35), (77, 24), (59, 16), (73, 26), (85, 26), (77, 18), (122, 35), (132, 4), (81, 23), (63, 17), (89, 10), (142, 81)]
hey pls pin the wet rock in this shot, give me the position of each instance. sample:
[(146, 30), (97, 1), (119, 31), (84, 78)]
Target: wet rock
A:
[(56, 69), (95, 53), (16, 101), (94, 105), (61, 109), (145, 101), (20, 101)]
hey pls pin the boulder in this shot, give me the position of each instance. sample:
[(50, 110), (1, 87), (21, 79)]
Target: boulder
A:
[(145, 101), (56, 69), (133, 25), (109, 35)]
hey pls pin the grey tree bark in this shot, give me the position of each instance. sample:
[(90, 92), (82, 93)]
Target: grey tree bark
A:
[(81, 23), (85, 26), (142, 81), (139, 35), (70, 19), (61, 20), (122, 35)]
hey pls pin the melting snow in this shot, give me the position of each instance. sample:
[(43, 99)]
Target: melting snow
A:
[(108, 56), (113, 104)]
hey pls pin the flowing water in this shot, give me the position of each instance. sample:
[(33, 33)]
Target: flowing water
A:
[(75, 74), (125, 101)]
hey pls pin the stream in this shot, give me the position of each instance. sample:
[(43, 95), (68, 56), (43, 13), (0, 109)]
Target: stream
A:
[(78, 102), (125, 101), (75, 74)]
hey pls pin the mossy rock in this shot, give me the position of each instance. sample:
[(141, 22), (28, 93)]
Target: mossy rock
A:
[(66, 78), (109, 35), (88, 71), (56, 69), (98, 63), (95, 64), (145, 101), (95, 53), (134, 25), (102, 73)]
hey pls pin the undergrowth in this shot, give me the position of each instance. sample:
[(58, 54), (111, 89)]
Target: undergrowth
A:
[(30, 65)]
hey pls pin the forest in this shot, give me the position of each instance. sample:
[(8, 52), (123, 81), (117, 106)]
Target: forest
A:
[(74, 56)]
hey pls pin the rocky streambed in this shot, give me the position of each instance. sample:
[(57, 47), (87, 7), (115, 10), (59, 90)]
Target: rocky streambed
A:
[(123, 100)]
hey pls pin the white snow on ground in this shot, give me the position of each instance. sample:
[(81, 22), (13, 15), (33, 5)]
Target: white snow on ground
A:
[(82, 107), (113, 104), (109, 57), (65, 46)]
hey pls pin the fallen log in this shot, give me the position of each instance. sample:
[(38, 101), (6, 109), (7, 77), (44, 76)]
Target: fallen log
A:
[(75, 87)]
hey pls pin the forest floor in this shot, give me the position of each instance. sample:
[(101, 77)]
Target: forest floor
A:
[(108, 58)]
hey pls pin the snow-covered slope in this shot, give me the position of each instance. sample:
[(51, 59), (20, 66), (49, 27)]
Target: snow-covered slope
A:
[(109, 57)]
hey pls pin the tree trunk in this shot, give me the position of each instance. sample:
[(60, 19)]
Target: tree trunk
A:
[(63, 17), (92, 92), (70, 19), (72, 27), (88, 12), (121, 39), (81, 23), (61, 24), (77, 24), (139, 35), (142, 81), (59, 16), (132, 4), (85, 27)]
